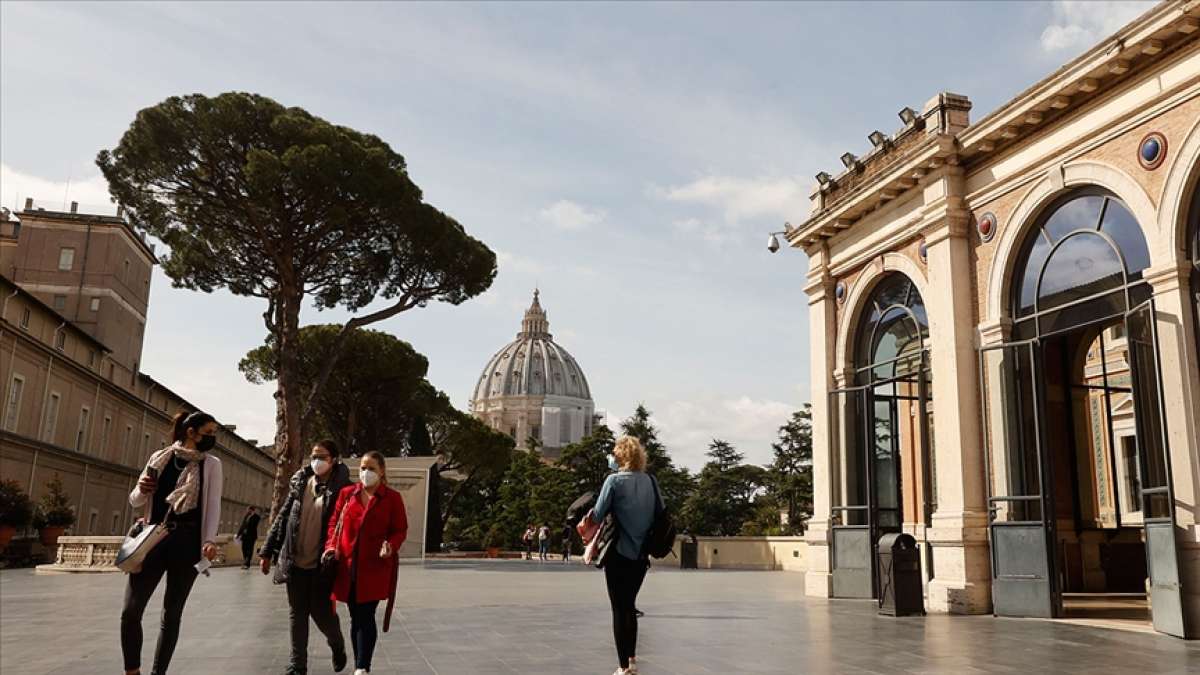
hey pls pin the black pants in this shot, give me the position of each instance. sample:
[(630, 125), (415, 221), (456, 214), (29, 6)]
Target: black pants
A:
[(308, 597), (624, 577), (363, 631), (248, 552), (176, 557)]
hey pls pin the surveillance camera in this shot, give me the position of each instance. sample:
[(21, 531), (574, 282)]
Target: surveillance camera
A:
[(773, 244)]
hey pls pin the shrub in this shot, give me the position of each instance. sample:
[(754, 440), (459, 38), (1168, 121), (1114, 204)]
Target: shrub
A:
[(16, 508), (55, 508)]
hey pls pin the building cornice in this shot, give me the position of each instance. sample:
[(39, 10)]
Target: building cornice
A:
[(1152, 37)]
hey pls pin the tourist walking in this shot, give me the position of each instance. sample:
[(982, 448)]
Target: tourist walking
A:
[(365, 534), (181, 488), (528, 539), (544, 542), (247, 534), (567, 533), (632, 496), (295, 544)]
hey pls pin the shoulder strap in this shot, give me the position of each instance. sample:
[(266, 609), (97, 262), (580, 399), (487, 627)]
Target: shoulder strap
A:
[(659, 504), (337, 529)]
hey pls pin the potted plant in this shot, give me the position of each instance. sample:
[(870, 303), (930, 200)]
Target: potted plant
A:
[(16, 511), (54, 514), (492, 541)]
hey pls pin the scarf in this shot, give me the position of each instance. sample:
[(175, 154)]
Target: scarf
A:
[(186, 494)]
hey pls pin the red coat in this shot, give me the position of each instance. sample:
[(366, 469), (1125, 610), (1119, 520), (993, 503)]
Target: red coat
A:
[(364, 530)]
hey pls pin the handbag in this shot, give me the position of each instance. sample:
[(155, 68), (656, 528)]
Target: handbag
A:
[(660, 538), (141, 539), (604, 543), (328, 565)]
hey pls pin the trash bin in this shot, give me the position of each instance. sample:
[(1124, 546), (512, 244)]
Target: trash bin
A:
[(900, 592), (689, 553)]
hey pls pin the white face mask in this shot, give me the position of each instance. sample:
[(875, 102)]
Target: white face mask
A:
[(320, 466), (369, 477)]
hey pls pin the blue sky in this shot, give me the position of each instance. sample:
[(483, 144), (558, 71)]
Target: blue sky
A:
[(627, 158)]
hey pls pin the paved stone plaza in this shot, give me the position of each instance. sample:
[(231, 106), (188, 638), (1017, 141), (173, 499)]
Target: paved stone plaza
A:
[(519, 617)]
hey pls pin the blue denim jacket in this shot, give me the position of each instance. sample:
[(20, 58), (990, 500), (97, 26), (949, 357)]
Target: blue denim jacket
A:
[(632, 498)]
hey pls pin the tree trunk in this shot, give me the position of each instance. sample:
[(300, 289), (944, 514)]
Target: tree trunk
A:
[(287, 395), (449, 506)]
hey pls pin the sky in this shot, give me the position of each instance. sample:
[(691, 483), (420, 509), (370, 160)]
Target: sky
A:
[(627, 159)]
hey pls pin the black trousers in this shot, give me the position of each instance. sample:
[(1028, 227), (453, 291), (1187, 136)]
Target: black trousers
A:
[(308, 597), (248, 551), (175, 557), (624, 578), (363, 630)]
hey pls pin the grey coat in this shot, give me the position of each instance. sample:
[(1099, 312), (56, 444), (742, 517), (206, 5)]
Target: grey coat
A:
[(280, 546)]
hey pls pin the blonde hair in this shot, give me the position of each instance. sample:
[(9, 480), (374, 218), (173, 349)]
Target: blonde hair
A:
[(630, 454)]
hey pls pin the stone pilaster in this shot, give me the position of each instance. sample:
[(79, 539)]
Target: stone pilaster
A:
[(958, 533), (822, 317)]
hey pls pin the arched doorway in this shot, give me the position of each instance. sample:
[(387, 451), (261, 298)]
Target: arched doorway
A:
[(1078, 472), (881, 427)]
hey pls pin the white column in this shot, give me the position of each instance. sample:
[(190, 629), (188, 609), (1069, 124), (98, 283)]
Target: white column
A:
[(822, 320), (1177, 347), (962, 578)]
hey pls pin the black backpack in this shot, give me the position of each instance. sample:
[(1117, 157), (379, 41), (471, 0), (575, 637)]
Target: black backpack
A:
[(660, 538)]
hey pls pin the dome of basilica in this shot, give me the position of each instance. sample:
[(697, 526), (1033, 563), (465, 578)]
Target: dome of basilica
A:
[(532, 365)]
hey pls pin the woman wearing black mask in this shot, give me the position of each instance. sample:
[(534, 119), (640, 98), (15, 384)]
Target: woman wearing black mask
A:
[(181, 486)]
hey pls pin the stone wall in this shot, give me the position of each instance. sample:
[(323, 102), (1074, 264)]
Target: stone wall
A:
[(748, 553)]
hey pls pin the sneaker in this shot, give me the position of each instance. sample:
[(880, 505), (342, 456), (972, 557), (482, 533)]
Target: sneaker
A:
[(632, 669), (339, 660), (361, 671)]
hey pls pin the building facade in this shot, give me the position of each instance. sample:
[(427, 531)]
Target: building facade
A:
[(534, 389), (1005, 347), (74, 292)]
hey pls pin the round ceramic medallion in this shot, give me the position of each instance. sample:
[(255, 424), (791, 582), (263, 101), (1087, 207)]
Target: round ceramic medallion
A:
[(986, 226), (1152, 150)]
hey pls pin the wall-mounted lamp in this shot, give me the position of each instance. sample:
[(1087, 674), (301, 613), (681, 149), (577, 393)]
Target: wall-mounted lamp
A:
[(825, 179), (849, 160), (878, 139), (908, 116)]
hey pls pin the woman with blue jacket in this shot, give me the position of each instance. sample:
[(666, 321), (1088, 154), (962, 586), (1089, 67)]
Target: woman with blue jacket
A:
[(631, 495)]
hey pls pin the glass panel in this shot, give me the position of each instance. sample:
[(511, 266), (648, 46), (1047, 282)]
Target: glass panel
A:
[(886, 462), (846, 423), (1033, 266), (1120, 224), (1083, 265), (1081, 213), (1143, 364), (1096, 309), (1012, 433)]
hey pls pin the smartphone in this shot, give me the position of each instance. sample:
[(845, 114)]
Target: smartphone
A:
[(152, 472)]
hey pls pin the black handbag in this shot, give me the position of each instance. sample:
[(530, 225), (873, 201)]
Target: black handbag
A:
[(660, 538), (606, 539)]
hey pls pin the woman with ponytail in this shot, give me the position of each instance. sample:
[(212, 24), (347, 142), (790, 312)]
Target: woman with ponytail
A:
[(365, 535), (180, 487)]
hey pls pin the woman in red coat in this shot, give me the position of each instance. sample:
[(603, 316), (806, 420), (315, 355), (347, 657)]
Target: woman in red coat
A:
[(364, 538)]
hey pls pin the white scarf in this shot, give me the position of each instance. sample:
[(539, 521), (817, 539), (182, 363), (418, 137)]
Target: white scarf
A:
[(186, 494)]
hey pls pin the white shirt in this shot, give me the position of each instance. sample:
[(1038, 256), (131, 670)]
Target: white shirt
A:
[(210, 498)]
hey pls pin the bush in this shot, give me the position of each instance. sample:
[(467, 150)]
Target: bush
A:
[(16, 508), (55, 508)]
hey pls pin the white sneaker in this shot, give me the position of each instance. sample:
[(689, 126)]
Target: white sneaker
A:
[(632, 669), (360, 671)]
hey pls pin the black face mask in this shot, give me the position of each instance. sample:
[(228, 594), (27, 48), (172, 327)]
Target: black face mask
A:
[(206, 442)]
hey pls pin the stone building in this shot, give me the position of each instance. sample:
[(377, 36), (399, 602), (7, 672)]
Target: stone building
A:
[(1004, 343), (74, 292), (533, 388)]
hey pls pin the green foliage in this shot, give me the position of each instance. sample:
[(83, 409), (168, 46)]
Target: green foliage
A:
[(789, 477), (724, 496), (275, 203), (587, 460), (372, 401), (54, 509), (16, 508)]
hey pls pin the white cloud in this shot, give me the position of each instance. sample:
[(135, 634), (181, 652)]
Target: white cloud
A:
[(1079, 24), (91, 191), (568, 215), (742, 198)]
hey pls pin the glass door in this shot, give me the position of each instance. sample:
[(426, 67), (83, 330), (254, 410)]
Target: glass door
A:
[(1157, 494), (1020, 504), (853, 520)]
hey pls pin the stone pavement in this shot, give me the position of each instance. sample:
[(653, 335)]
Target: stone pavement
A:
[(484, 617)]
